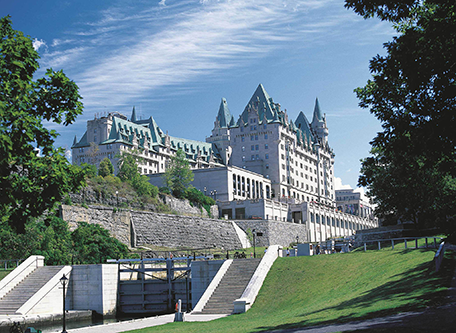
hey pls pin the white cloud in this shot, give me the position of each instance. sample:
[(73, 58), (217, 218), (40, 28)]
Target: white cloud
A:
[(38, 43), (339, 186), (162, 3)]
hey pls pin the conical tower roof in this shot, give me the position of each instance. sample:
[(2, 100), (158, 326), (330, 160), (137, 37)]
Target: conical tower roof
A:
[(260, 100), (224, 117), (317, 116), (133, 115)]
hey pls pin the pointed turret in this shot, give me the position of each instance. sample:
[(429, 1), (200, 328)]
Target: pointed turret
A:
[(75, 141), (224, 116), (133, 115), (319, 124), (317, 117)]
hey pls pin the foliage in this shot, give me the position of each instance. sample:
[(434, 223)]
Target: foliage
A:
[(89, 170), (411, 173), (30, 182), (106, 168), (51, 237), (95, 245), (178, 174), (198, 197), (128, 172), (164, 190)]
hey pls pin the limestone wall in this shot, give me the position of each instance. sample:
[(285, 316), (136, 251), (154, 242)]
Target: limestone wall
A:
[(141, 228), (274, 232), (117, 222), (183, 231)]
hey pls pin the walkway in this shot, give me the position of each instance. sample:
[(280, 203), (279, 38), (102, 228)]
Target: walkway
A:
[(141, 323)]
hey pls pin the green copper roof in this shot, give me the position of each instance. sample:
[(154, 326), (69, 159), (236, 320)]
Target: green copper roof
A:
[(317, 117), (224, 116), (260, 100), (303, 124), (133, 115), (82, 143)]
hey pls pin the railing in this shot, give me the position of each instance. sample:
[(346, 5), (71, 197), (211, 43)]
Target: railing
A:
[(8, 264), (438, 258), (403, 239)]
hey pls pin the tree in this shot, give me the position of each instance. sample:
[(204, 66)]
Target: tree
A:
[(106, 168), (178, 174), (94, 244), (411, 174), (31, 182)]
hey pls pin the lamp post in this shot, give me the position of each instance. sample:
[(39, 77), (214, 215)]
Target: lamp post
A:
[(297, 240), (117, 198), (215, 195), (254, 232), (205, 189), (64, 281)]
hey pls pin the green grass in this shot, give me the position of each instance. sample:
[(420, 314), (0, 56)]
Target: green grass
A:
[(319, 290), (4, 273)]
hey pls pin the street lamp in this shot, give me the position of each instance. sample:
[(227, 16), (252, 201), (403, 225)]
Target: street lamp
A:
[(297, 240), (117, 198), (205, 189), (64, 281), (254, 232), (215, 195)]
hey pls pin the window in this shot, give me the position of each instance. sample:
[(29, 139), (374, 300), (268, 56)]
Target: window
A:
[(267, 166), (265, 136), (242, 139), (254, 127), (257, 157), (283, 166), (252, 157), (252, 147), (283, 156), (266, 156), (242, 128), (243, 148), (266, 146), (251, 127), (256, 147), (265, 126), (251, 138), (256, 137), (243, 158)]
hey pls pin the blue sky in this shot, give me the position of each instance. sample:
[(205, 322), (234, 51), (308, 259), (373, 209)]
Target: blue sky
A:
[(175, 60)]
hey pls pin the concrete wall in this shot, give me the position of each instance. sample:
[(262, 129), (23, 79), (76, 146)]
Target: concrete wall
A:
[(19, 273), (275, 232), (202, 274), (94, 287)]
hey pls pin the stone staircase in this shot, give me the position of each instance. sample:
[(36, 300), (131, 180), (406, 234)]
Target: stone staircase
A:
[(231, 286), (12, 301)]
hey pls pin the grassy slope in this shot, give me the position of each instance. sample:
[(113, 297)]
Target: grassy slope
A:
[(4, 273), (323, 289)]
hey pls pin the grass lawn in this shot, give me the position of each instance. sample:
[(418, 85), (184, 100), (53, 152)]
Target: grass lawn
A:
[(307, 291), (4, 273)]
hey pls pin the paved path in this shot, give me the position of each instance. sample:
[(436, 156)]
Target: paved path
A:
[(141, 323)]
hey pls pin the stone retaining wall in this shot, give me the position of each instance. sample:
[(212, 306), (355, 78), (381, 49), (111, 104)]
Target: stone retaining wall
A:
[(275, 232), (183, 231)]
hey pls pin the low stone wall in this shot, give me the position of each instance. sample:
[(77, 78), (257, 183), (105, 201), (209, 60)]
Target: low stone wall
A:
[(274, 232), (177, 231)]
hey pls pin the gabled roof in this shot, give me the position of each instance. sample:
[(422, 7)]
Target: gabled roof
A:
[(260, 101), (303, 124), (82, 143)]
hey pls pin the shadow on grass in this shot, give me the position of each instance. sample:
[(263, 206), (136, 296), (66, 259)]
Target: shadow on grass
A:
[(422, 278)]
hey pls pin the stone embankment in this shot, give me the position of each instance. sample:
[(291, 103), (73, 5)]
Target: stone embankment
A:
[(136, 228)]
